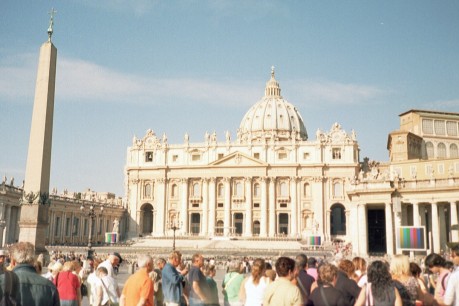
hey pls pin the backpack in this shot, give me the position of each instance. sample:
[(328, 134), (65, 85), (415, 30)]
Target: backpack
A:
[(11, 284)]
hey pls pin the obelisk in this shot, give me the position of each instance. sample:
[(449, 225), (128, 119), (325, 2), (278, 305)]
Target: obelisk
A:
[(35, 202)]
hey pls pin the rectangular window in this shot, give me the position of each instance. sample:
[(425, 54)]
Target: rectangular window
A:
[(220, 155), (256, 155), (283, 205), (85, 226), (282, 155), (195, 205), (441, 168), (336, 153), (256, 205), (427, 126), (220, 205), (451, 128), (306, 155), (76, 226), (174, 158), (413, 171), (439, 127), (195, 157), (148, 157), (67, 227), (57, 226), (428, 170)]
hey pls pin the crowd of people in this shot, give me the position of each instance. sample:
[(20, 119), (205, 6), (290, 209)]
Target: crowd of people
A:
[(177, 281)]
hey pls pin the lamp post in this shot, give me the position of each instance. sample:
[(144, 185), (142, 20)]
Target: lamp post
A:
[(91, 213), (174, 226)]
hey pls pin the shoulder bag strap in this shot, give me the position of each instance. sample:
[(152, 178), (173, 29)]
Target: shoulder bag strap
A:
[(321, 289), (106, 291), (298, 280), (231, 279)]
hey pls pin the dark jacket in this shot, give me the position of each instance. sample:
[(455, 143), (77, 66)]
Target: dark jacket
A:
[(33, 289), (348, 287)]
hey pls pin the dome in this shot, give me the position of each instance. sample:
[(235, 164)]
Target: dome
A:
[(272, 118)]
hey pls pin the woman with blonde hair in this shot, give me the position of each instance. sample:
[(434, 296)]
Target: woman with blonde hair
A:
[(406, 283), (360, 273), (253, 287)]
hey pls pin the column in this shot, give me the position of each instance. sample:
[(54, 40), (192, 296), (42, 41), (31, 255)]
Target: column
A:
[(416, 216), (263, 208), (294, 207), (212, 205), (435, 229), (2, 223), (184, 208), (362, 224), (389, 230), (453, 210), (272, 206), (227, 206), (248, 207), (205, 205), (160, 199)]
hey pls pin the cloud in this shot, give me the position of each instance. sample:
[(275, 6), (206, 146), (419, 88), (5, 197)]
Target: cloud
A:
[(86, 82), (334, 93), (454, 103)]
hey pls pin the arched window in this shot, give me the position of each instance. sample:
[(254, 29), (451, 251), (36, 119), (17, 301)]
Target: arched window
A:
[(196, 190), (147, 193), (256, 228), (337, 189), (221, 190), (174, 191), (256, 190), (306, 190), (441, 150), (429, 150), (338, 220), (219, 228), (453, 153), (283, 189), (238, 189)]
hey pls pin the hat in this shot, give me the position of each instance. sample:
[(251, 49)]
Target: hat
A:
[(3, 253), (117, 255)]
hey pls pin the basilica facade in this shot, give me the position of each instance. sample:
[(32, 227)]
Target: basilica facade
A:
[(270, 180)]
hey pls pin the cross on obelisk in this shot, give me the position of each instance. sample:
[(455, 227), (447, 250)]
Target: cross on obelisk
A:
[(35, 202)]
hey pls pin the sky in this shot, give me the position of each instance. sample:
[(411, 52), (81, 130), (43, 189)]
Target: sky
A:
[(193, 66)]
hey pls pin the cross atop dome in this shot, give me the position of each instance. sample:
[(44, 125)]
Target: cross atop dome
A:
[(51, 23), (272, 86)]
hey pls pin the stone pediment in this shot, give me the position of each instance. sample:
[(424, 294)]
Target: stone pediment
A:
[(238, 159)]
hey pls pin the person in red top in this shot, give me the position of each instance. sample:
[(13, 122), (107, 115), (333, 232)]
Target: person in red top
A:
[(68, 285), (139, 289)]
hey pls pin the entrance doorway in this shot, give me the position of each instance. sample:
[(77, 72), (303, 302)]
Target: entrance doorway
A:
[(376, 231), (195, 223), (283, 224), (238, 223), (147, 219)]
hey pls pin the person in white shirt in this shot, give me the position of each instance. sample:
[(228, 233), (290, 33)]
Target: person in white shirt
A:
[(106, 288), (451, 296)]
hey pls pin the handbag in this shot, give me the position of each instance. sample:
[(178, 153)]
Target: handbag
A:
[(84, 290)]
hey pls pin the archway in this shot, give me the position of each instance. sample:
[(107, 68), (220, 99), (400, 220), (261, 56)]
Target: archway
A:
[(195, 223), (338, 220), (146, 221), (238, 223), (283, 224)]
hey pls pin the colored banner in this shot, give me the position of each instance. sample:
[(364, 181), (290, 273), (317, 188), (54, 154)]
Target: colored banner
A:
[(111, 237), (411, 238), (315, 240)]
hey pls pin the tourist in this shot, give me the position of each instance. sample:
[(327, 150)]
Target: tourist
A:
[(156, 278), (33, 290), (232, 283), (345, 284), (210, 271), (360, 274), (436, 265), (312, 268), (253, 287), (380, 289), (113, 261), (172, 280), (91, 282), (107, 291), (199, 289), (325, 293), (451, 296), (68, 285), (138, 289), (269, 272), (282, 292), (304, 281)]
